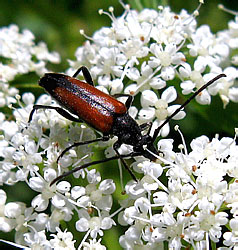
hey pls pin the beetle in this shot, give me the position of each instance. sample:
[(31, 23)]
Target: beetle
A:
[(104, 113)]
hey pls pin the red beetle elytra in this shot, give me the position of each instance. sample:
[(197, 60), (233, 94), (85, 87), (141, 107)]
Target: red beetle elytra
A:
[(104, 113)]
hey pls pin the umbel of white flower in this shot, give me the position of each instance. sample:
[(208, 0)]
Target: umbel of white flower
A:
[(142, 54)]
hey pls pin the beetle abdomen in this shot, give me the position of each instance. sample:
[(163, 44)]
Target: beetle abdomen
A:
[(88, 103)]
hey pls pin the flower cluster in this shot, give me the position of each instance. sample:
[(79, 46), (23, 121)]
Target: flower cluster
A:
[(20, 55), (145, 51), (183, 199), (192, 204)]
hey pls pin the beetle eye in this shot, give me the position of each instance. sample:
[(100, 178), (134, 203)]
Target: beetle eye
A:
[(139, 137)]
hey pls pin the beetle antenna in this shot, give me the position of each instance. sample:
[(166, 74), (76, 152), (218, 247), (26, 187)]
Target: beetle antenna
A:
[(186, 103)]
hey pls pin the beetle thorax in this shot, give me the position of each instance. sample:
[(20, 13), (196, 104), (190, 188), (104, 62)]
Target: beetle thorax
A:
[(127, 130)]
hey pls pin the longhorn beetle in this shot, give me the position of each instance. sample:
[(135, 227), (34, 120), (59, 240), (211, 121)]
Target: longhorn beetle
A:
[(104, 113)]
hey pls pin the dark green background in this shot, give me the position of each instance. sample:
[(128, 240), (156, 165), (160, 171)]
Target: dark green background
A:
[(58, 22)]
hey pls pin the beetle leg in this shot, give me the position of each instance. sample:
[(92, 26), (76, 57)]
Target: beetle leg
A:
[(146, 125), (120, 95), (128, 101), (116, 145), (86, 74), (76, 144), (94, 163), (61, 111)]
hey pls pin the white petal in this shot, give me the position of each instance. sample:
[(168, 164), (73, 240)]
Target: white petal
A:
[(30, 147), (187, 87), (154, 62), (200, 64), (148, 98), (39, 203), (63, 186), (168, 73), (107, 223), (133, 74), (49, 174), (185, 70), (107, 186), (146, 69), (12, 210), (42, 218), (6, 225), (3, 197), (142, 205), (133, 233), (169, 95), (83, 201), (199, 143), (233, 94), (170, 48), (104, 80), (152, 168), (116, 86), (133, 111), (160, 198), (181, 114), (82, 225), (131, 89), (231, 73), (157, 83), (221, 49), (158, 235), (234, 224), (36, 183), (156, 169), (169, 219), (221, 218), (57, 201), (156, 49), (135, 189), (165, 144), (165, 130), (28, 98), (203, 98), (147, 114), (178, 58), (121, 59), (77, 192), (105, 203)]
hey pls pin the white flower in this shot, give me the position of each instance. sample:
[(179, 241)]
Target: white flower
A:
[(41, 201), (93, 244), (37, 239), (95, 224), (161, 109), (203, 45), (166, 147), (7, 94), (166, 57), (62, 240), (9, 129), (168, 228), (7, 224), (207, 220), (21, 49), (231, 198), (230, 238)]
